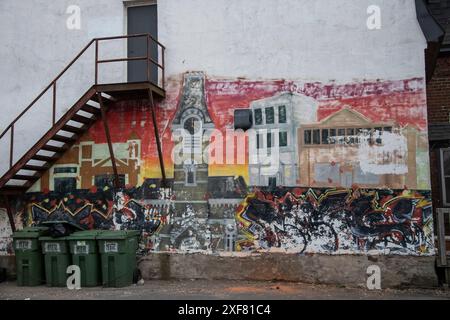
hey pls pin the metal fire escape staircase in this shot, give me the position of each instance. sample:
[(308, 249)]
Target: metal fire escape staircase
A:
[(66, 126)]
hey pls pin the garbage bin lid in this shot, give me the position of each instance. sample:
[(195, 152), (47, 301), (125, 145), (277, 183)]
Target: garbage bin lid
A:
[(47, 238), (118, 234), (30, 232), (84, 235)]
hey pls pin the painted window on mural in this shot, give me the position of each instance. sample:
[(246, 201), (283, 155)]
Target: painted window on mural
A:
[(445, 172), (282, 114), (377, 135), (65, 170), (325, 136), (270, 115), (283, 139), (269, 140), (332, 135), (190, 177), (258, 116), (272, 181), (107, 180), (65, 185), (307, 137), (190, 168), (259, 141), (346, 136), (316, 136)]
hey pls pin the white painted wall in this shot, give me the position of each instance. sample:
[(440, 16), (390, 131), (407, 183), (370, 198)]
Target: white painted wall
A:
[(318, 40), (300, 39), (35, 46)]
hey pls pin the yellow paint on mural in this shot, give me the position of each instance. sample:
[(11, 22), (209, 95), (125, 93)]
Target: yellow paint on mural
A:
[(229, 170), (151, 169)]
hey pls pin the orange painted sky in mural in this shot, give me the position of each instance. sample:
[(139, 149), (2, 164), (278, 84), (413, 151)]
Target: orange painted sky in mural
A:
[(403, 102)]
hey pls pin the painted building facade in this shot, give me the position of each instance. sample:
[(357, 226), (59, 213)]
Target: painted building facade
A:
[(336, 160)]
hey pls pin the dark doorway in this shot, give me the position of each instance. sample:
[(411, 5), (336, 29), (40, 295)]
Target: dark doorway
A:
[(272, 182), (142, 19)]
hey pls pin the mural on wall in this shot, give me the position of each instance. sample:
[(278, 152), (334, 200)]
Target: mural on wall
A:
[(336, 220), (329, 168), (6, 244)]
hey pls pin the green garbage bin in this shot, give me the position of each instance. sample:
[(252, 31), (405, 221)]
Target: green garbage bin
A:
[(57, 258), (83, 247), (29, 258), (118, 257)]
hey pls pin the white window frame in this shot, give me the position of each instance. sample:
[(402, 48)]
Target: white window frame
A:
[(54, 175), (445, 201)]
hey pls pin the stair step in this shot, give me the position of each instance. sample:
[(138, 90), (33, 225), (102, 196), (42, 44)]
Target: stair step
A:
[(25, 177), (90, 109), (104, 99), (45, 158), (48, 147), (64, 139), (73, 129), (82, 119), (35, 168)]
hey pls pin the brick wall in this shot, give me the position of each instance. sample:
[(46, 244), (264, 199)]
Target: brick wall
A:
[(438, 92), (438, 100)]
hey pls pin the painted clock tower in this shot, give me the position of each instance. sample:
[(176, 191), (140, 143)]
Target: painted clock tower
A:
[(190, 128)]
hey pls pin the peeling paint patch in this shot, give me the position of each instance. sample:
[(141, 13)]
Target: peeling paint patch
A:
[(388, 155)]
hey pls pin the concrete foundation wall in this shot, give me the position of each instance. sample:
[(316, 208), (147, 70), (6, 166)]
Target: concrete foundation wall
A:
[(349, 270)]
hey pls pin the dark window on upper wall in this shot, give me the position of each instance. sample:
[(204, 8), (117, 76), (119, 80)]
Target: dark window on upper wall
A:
[(325, 135), (258, 116), (341, 132), (107, 180), (269, 140), (316, 136), (387, 129), (282, 136), (282, 114), (307, 136), (270, 115), (65, 185)]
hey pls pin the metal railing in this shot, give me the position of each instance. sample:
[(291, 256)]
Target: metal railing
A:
[(97, 43)]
